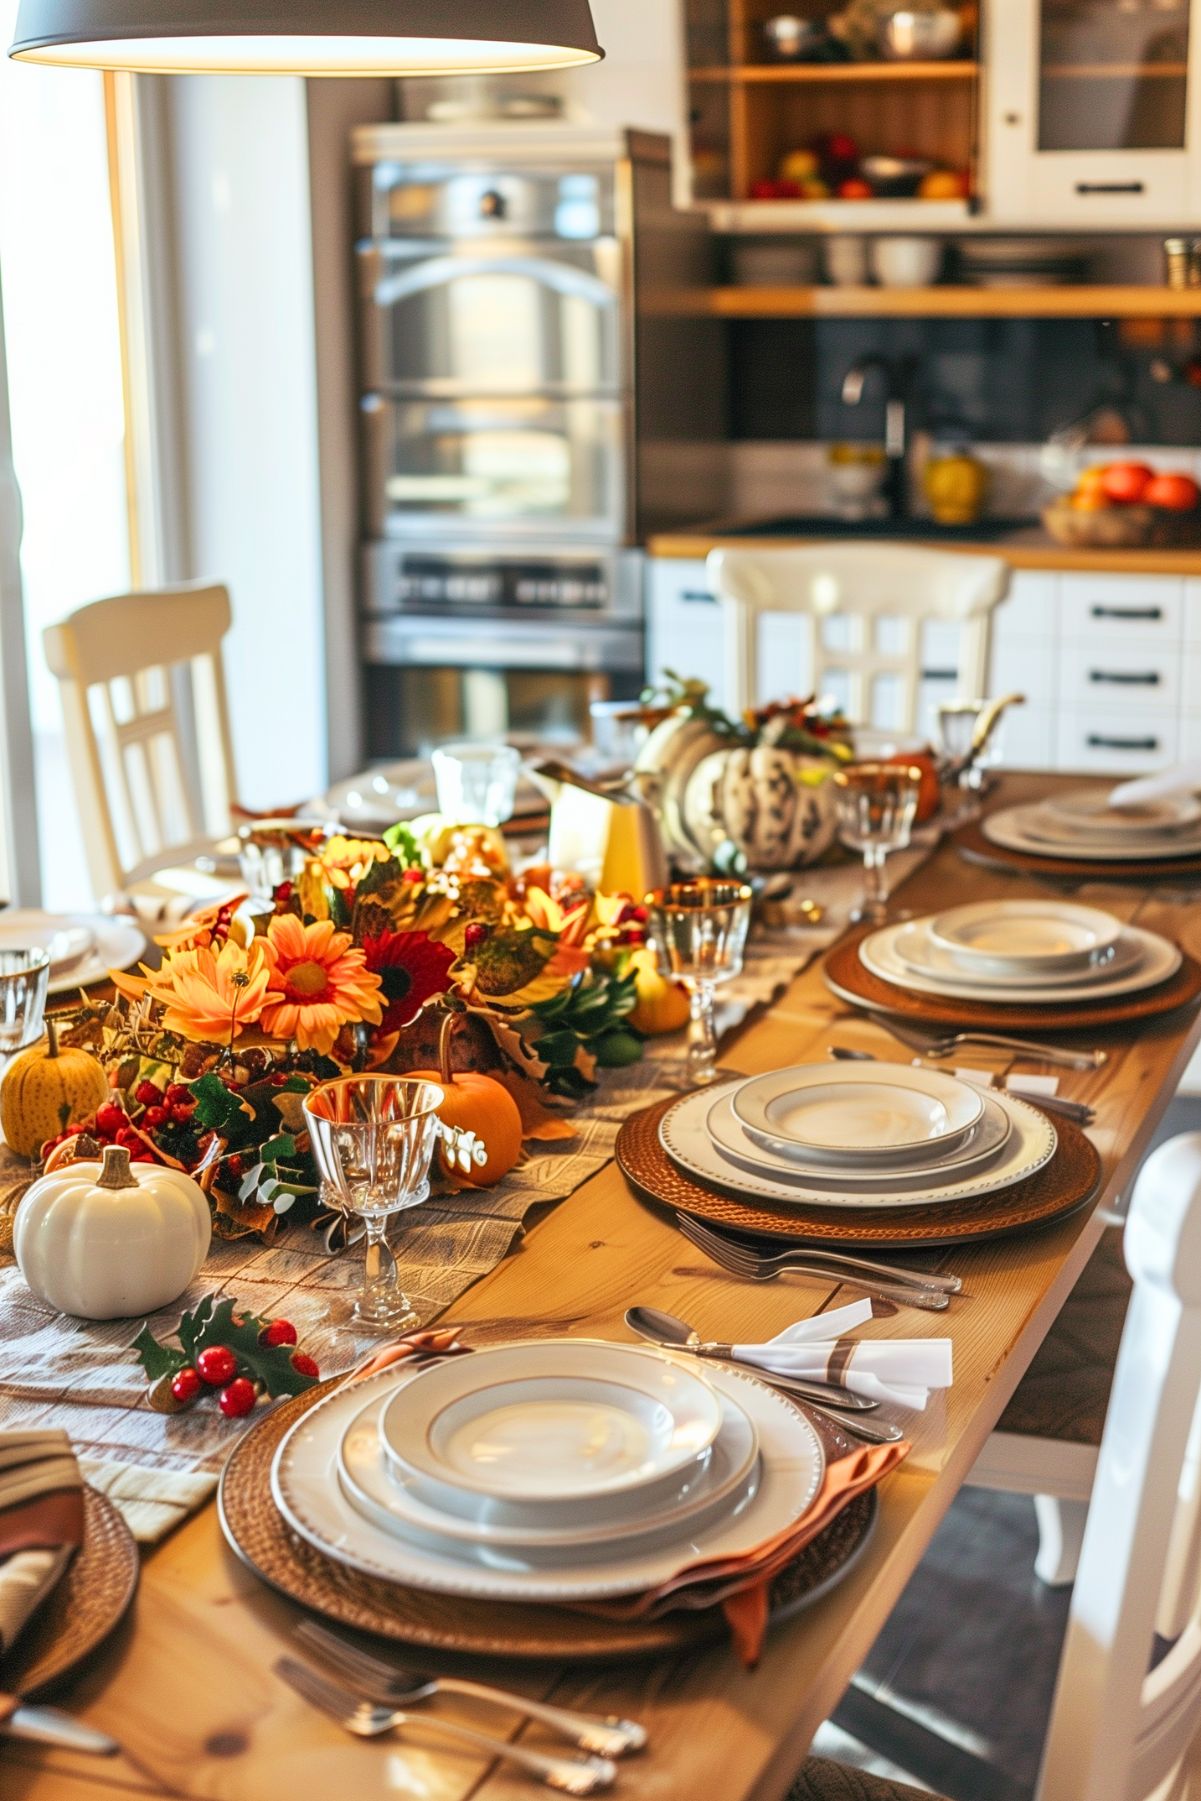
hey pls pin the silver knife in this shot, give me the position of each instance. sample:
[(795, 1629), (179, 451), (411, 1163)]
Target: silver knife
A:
[(50, 1726)]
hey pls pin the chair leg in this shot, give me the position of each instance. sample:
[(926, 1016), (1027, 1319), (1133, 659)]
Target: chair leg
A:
[(1060, 1536)]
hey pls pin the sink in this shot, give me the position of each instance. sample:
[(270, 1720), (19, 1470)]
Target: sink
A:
[(826, 525)]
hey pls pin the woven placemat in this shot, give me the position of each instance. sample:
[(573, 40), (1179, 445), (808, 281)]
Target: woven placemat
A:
[(446, 1623), (89, 1603), (1065, 1183), (852, 981), (972, 844)]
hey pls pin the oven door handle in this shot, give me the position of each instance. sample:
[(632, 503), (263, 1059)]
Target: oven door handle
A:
[(424, 645), (441, 271)]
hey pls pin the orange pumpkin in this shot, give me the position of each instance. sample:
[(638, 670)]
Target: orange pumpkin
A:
[(929, 794), (662, 1006), (478, 1104)]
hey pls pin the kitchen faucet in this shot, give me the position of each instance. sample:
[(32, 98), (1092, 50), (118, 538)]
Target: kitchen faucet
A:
[(896, 421)]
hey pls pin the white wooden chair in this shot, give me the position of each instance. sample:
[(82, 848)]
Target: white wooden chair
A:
[(151, 756), (875, 615)]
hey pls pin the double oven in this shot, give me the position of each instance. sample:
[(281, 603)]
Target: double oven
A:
[(515, 420)]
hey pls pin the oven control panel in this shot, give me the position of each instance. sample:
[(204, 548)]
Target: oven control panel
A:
[(422, 581)]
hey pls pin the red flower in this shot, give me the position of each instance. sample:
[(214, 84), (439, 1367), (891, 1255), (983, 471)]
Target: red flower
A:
[(412, 967)]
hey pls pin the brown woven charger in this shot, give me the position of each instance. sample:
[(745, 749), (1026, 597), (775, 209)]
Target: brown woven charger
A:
[(262, 1539), (852, 981), (1065, 1183), (972, 844), (90, 1602)]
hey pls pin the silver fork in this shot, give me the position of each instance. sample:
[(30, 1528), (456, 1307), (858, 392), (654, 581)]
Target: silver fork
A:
[(946, 1043), (762, 1268), (388, 1685), (571, 1776), (702, 1236)]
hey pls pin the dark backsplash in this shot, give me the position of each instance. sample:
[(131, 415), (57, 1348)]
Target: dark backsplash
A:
[(1005, 380)]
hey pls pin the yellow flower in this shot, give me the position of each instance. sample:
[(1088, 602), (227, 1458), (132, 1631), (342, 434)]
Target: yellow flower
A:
[(318, 983), (206, 995), (345, 861)]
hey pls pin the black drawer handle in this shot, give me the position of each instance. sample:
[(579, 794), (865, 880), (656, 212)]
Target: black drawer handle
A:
[(698, 597), (1126, 678), (1096, 742), (940, 675), (1126, 612), (1111, 187)]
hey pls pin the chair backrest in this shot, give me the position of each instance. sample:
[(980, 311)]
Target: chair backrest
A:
[(1124, 1720), (867, 609), (151, 756)]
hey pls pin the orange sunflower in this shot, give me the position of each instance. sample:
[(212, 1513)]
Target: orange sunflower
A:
[(318, 983), (208, 995)]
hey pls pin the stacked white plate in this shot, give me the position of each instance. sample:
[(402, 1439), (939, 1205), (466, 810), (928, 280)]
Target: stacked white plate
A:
[(857, 1135), (558, 1470), (1020, 952), (83, 947), (1083, 826)]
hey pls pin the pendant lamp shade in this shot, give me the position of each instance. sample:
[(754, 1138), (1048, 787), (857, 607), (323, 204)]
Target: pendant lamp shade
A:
[(306, 37)]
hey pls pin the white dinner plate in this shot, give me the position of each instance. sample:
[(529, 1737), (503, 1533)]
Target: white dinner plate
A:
[(1014, 828), (554, 1424), (1087, 812), (726, 1478), (105, 942), (862, 1113), (684, 1135), (305, 1488), (1157, 959), (1024, 937), (743, 1148)]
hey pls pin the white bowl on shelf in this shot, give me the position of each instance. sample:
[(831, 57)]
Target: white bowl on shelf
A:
[(904, 262)]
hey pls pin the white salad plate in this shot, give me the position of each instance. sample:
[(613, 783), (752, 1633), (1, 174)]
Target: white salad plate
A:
[(684, 1135), (305, 1488), (1087, 812), (83, 947), (862, 1114), (554, 1424), (1017, 828), (1156, 960), (916, 949), (726, 1478), (748, 1152), (1024, 937)]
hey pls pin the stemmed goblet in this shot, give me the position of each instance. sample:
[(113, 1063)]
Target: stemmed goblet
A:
[(876, 806), (699, 931), (373, 1141)]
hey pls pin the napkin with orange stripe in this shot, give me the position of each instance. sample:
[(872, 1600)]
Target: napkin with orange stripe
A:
[(41, 1522)]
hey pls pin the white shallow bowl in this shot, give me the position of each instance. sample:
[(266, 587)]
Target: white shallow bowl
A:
[(305, 1488), (1024, 937), (684, 1135), (917, 950), (859, 1114), (1018, 828), (1142, 960), (555, 1426), (1086, 811), (747, 1151), (727, 1478)]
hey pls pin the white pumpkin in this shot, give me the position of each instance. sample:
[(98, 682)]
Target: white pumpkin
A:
[(758, 800), (662, 770), (111, 1240)]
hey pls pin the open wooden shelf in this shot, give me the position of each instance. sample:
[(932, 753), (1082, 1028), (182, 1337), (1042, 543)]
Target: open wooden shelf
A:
[(947, 302), (1114, 71), (839, 72)]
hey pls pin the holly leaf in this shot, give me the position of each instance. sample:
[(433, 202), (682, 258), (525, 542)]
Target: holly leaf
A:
[(282, 1145), (191, 1327), (217, 1108), (269, 1364), (157, 1359)]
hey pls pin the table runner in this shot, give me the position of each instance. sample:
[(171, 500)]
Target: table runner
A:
[(157, 1468)]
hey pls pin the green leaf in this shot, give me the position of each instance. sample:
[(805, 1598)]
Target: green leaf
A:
[(191, 1327), (283, 1145), (217, 1108), (401, 840), (155, 1358), (558, 1046)]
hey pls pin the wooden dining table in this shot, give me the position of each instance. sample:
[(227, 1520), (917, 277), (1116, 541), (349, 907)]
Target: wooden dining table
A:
[(187, 1684)]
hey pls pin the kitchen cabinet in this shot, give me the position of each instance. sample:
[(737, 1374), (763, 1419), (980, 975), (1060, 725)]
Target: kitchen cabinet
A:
[(1092, 113)]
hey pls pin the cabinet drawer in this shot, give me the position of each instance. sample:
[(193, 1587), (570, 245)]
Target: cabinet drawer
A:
[(1096, 739), (1103, 608), (1127, 675)]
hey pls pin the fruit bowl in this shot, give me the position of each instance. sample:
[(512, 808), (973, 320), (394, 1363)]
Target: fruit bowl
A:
[(1118, 527)]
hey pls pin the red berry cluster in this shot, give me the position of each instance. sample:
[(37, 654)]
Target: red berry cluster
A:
[(111, 1124), (216, 1366)]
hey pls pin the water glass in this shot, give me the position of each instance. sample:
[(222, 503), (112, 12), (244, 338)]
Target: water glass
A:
[(876, 806), (373, 1141), (699, 932), (24, 975), (477, 783), (957, 721), (271, 851)]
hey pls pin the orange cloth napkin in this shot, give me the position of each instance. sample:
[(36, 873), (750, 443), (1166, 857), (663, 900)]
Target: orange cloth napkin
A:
[(41, 1521), (413, 1344), (740, 1585)]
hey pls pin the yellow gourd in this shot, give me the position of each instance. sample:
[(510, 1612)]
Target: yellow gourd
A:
[(45, 1090), (663, 1006)]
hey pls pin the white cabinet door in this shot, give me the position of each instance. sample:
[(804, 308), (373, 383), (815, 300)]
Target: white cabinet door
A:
[(683, 624)]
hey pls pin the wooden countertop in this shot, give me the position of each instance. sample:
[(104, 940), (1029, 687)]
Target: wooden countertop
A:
[(1032, 549)]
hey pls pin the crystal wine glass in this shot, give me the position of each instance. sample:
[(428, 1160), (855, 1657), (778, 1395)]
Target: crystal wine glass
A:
[(699, 931), (24, 976), (876, 806), (476, 783), (957, 721), (373, 1140)]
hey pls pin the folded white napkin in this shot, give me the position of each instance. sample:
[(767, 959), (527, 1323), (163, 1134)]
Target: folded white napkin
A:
[(901, 1370), (1183, 778)]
